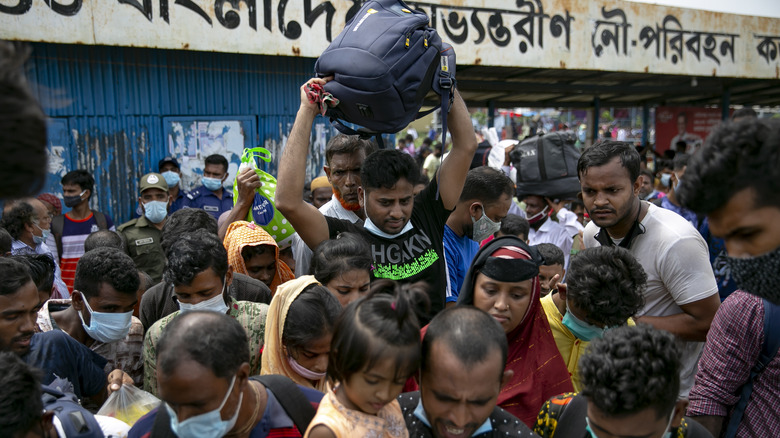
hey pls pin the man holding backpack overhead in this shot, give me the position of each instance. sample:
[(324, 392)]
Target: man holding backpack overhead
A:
[(405, 231), (734, 180)]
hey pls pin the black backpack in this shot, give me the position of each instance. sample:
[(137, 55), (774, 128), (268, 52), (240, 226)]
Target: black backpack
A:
[(547, 166), (77, 421), (384, 63)]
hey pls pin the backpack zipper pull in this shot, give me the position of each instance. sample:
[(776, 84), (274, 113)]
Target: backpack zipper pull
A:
[(408, 35), (425, 39)]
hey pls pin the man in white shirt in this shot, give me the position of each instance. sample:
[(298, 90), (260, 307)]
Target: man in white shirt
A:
[(681, 295), (545, 230), (343, 157)]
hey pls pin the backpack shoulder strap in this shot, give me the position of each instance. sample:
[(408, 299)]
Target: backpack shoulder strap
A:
[(57, 224), (100, 218), (769, 350), (161, 428), (291, 398)]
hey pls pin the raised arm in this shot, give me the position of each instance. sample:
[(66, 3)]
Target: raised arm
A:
[(247, 182), (308, 222), (452, 173)]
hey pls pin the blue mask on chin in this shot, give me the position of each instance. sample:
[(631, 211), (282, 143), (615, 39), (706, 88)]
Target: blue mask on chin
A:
[(579, 328)]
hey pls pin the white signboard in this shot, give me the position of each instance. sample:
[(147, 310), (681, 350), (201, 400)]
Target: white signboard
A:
[(568, 34)]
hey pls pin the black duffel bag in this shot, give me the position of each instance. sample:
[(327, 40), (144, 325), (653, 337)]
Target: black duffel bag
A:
[(547, 166)]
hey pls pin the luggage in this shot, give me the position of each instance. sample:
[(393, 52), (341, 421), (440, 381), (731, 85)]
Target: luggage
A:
[(384, 63), (547, 166)]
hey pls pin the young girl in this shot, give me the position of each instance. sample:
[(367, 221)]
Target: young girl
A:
[(375, 349), (343, 265), (298, 332)]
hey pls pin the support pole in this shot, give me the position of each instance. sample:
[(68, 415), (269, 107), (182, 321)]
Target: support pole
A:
[(491, 119), (645, 124), (596, 114), (724, 106)]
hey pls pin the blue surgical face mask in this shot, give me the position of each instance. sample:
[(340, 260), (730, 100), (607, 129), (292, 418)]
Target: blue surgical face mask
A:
[(212, 184), (171, 178), (106, 327), (213, 304), (156, 211), (484, 227), (667, 432), (43, 237), (666, 179), (208, 425), (579, 328)]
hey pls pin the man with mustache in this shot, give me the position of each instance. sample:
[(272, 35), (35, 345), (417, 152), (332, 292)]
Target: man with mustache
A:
[(681, 295), (344, 156)]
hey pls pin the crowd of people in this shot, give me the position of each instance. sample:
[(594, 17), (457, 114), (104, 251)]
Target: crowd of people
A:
[(420, 297)]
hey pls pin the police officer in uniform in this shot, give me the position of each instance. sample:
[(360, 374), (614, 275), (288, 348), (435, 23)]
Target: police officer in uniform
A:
[(170, 170), (142, 235), (211, 196)]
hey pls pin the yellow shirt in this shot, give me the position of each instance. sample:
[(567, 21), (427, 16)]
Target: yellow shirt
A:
[(570, 346)]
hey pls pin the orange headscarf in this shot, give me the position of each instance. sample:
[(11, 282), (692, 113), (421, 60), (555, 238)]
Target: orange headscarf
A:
[(241, 234)]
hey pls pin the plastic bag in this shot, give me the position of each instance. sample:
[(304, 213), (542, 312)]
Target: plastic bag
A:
[(263, 211), (128, 404)]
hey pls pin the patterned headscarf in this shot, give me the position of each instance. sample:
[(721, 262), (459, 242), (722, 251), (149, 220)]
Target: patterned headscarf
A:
[(241, 234)]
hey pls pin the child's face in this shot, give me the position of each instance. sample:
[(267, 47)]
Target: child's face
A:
[(369, 391), (546, 274)]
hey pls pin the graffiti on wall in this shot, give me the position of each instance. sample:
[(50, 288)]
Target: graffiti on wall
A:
[(606, 35)]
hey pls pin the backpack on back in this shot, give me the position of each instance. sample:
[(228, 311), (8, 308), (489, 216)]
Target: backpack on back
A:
[(547, 165), (76, 421), (384, 63)]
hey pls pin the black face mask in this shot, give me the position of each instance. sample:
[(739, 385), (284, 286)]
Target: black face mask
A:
[(636, 229), (72, 201), (758, 275)]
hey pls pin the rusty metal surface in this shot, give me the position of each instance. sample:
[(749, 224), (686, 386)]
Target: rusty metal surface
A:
[(610, 35)]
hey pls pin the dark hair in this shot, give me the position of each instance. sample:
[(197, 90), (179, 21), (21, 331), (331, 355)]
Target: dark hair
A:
[(631, 369), (213, 340), (736, 156), (106, 265), (607, 282), (14, 220), (385, 167), (145, 281), (649, 174), (423, 179), (23, 124), (469, 333), (193, 253), (41, 270), (487, 185), (184, 221), (372, 325), (21, 406), (680, 160), (515, 225), (575, 204), (311, 316), (347, 144), (603, 152), (743, 112), (6, 242), (217, 159), (427, 141), (336, 256), (81, 178), (104, 239), (14, 273), (250, 251), (551, 253)]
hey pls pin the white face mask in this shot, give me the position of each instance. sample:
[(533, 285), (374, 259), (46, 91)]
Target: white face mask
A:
[(106, 327), (373, 229), (213, 304), (207, 425)]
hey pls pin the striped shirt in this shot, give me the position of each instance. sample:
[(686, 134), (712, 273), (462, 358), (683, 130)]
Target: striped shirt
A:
[(733, 346), (74, 233)]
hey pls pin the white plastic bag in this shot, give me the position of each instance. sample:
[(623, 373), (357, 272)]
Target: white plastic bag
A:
[(128, 404)]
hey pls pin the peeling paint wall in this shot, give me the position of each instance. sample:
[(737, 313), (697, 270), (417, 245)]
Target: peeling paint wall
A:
[(117, 111)]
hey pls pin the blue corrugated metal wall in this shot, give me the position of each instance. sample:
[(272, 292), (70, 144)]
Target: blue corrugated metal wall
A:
[(113, 101)]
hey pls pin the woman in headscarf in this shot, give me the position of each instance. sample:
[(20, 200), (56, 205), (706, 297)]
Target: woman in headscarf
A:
[(503, 280), (253, 252), (298, 331)]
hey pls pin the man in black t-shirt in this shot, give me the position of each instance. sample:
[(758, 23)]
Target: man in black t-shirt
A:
[(405, 232)]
